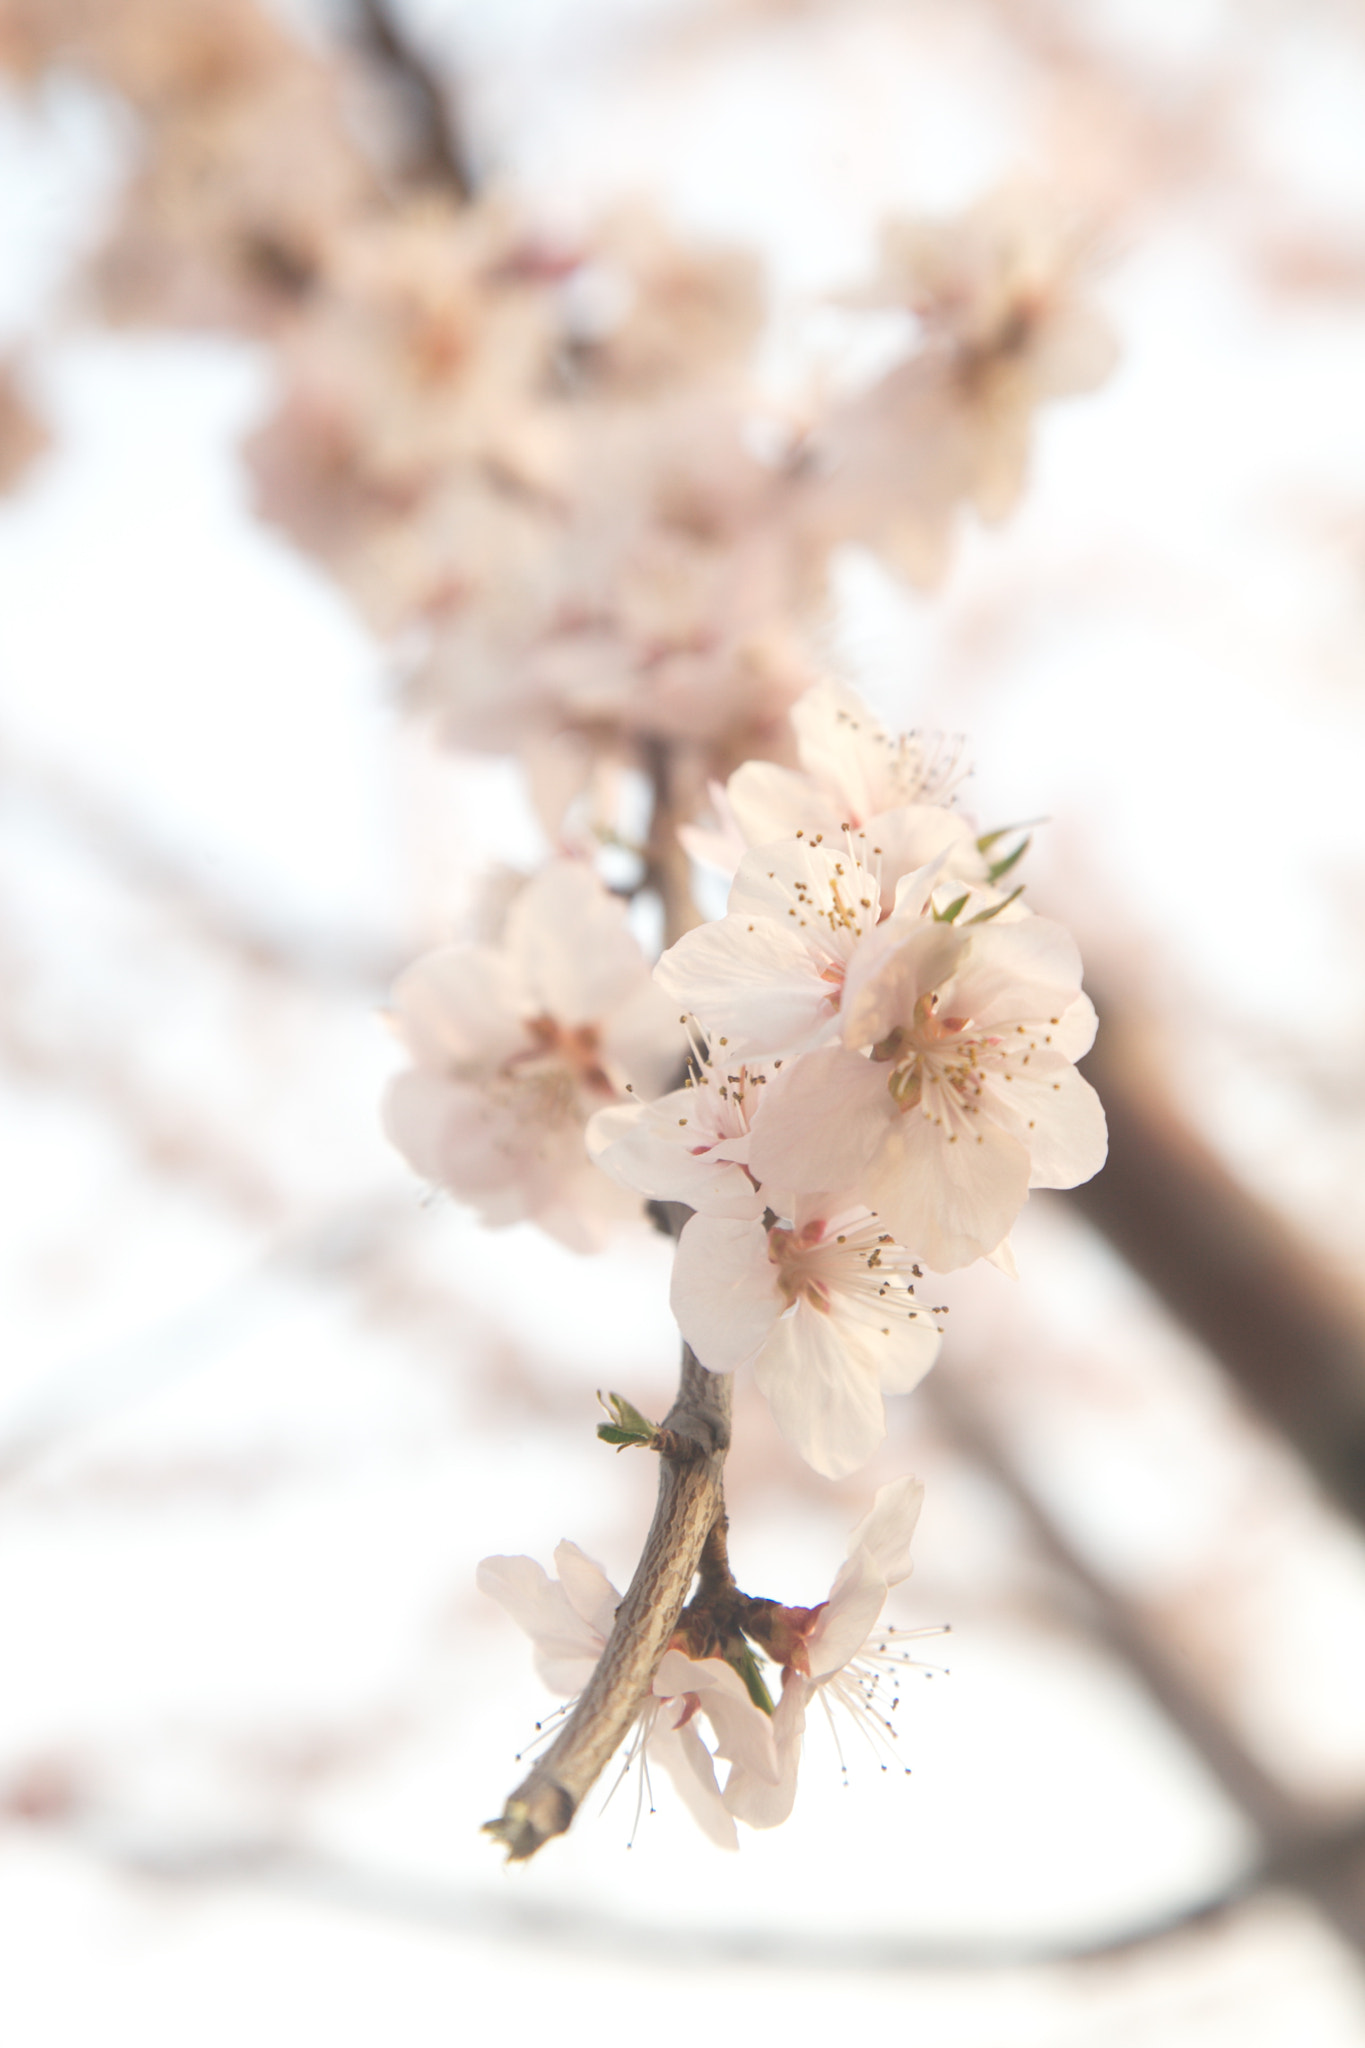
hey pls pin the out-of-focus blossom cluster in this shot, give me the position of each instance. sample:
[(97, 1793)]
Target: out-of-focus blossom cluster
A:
[(537, 454)]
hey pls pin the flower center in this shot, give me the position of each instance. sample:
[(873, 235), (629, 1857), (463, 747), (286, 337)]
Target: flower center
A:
[(792, 1252), (548, 1078), (933, 1049)]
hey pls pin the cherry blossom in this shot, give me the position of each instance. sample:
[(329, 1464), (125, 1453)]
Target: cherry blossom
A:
[(884, 798), (569, 1620), (824, 1651), (822, 1307), (691, 1145), (514, 1047), (769, 975), (954, 1090)]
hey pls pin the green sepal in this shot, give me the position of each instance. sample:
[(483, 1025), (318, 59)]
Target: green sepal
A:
[(627, 1426), (947, 916), (745, 1663), (1002, 867), (985, 916), (990, 839)]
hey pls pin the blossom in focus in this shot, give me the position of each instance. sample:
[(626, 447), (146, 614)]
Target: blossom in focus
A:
[(822, 1307), (884, 798), (569, 1620), (769, 975), (514, 1046), (691, 1145), (954, 1090), (830, 1652)]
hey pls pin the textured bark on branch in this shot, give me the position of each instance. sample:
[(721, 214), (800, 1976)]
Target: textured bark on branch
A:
[(691, 1501)]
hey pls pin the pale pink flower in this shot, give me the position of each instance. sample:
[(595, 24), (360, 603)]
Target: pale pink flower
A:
[(769, 975), (569, 1620), (1005, 324), (954, 1090), (691, 1145), (824, 1651), (884, 798), (823, 1308), (516, 1045)]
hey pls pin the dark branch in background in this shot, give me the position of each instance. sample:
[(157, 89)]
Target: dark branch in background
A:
[(1280, 1319), (1319, 1852), (437, 150)]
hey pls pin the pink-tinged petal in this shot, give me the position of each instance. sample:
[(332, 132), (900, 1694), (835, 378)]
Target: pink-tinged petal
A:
[(457, 1005), (751, 982), (895, 1342), (687, 1761), (753, 1799), (572, 947), (848, 1617), (451, 1134), (1017, 973), (744, 1733), (885, 981), (1059, 1117), (1003, 1259), (916, 834), (645, 1147), (822, 884), (566, 1646), (822, 1122), (827, 1405), (886, 1529), (951, 1203), (591, 1593), (914, 893), (1074, 1032), (725, 1294), (839, 740), (771, 803)]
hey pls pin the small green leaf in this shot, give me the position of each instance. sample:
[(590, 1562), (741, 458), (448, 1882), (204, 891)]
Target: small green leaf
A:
[(990, 839), (985, 916), (627, 1425), (745, 1663), (1002, 867), (947, 916)]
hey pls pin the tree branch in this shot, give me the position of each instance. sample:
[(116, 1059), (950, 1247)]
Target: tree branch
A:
[(691, 1501), (436, 150)]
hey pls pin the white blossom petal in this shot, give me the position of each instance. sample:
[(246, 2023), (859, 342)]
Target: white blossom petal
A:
[(571, 944), (725, 1293), (822, 1123), (886, 1529), (1059, 1117), (744, 1733), (849, 1616), (591, 1593), (752, 1798), (828, 1407), (687, 1760), (566, 1647), (952, 1201)]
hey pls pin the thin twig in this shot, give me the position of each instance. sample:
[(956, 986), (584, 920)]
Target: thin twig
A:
[(692, 1442), (691, 1500), (667, 870), (436, 151)]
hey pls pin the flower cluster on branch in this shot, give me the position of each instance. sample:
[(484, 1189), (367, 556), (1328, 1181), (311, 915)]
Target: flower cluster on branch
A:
[(543, 464)]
